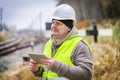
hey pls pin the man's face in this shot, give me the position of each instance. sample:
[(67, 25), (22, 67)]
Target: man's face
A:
[(59, 30)]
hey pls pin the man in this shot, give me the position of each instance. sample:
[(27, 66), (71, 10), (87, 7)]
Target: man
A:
[(68, 55)]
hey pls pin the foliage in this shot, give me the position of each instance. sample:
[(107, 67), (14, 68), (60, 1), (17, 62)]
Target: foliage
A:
[(116, 33), (112, 8), (106, 3), (106, 63), (4, 35), (2, 38), (21, 73), (106, 57)]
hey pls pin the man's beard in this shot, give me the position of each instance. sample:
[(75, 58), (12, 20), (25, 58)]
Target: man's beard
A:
[(55, 36)]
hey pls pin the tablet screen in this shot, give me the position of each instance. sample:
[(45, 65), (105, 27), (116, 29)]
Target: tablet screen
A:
[(37, 57)]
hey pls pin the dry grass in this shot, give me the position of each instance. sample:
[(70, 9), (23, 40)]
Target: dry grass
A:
[(106, 61), (106, 64), (83, 24), (19, 73)]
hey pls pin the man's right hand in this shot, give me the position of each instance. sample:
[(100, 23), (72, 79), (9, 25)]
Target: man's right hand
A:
[(33, 66)]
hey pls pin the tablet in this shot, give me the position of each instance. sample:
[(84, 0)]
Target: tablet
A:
[(37, 57)]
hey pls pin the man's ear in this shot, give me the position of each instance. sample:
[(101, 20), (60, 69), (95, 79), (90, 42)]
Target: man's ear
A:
[(69, 29)]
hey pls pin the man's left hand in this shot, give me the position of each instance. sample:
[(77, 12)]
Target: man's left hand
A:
[(48, 62)]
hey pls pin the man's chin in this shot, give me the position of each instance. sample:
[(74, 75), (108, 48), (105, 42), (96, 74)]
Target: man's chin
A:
[(54, 34)]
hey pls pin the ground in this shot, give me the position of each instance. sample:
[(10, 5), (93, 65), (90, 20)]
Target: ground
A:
[(103, 57)]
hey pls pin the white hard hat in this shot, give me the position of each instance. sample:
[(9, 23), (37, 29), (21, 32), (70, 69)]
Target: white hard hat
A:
[(64, 12)]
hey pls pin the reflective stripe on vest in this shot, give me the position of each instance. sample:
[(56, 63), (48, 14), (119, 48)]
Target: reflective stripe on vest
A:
[(63, 55), (58, 78)]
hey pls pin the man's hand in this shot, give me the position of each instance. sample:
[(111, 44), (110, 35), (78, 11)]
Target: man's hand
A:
[(48, 62), (33, 66)]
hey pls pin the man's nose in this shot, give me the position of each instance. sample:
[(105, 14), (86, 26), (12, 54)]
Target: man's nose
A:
[(54, 25)]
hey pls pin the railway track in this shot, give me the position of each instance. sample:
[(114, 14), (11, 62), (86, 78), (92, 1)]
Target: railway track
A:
[(16, 43)]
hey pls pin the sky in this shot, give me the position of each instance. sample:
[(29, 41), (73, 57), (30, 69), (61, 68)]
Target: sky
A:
[(24, 14)]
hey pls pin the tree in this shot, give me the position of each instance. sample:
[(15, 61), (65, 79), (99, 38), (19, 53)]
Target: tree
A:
[(94, 9), (86, 9)]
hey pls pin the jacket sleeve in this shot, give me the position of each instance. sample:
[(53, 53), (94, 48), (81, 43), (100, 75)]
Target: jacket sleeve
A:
[(39, 72), (83, 64)]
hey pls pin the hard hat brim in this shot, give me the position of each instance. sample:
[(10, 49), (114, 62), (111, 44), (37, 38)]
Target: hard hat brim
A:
[(58, 18)]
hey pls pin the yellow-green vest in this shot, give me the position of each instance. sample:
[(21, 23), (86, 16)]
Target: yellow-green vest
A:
[(63, 55)]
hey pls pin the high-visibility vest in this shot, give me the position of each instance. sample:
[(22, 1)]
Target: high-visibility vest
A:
[(63, 55)]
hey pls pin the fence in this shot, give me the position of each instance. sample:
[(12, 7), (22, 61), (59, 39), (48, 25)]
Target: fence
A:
[(93, 32)]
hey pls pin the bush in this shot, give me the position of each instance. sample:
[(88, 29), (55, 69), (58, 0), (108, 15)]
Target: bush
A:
[(116, 33)]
